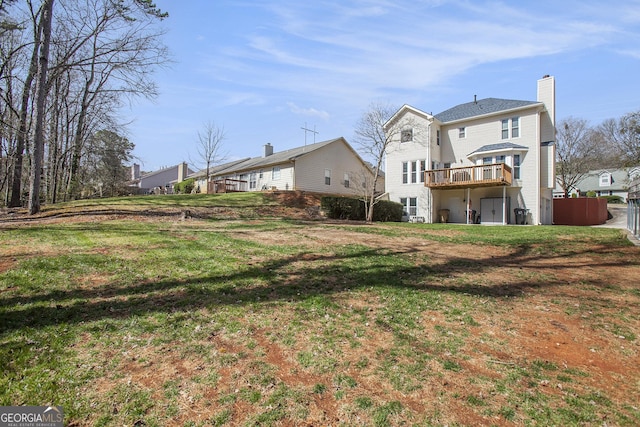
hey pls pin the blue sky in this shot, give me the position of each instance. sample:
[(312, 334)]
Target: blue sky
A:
[(264, 69)]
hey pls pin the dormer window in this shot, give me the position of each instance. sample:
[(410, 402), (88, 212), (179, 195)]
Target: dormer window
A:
[(605, 180), (406, 135)]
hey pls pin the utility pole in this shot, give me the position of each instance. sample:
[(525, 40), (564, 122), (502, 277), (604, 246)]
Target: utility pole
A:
[(314, 132)]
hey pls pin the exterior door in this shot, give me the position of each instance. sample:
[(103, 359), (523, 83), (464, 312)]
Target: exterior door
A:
[(492, 210)]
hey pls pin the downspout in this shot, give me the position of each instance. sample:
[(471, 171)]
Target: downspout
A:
[(293, 175), (538, 183), (426, 166)]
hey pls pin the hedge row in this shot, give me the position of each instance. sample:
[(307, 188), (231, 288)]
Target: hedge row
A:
[(354, 209)]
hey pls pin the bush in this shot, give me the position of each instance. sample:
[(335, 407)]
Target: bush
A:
[(354, 209), (613, 199), (386, 211), (185, 186), (343, 208), (591, 194)]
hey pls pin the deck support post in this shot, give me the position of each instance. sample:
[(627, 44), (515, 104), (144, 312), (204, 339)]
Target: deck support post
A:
[(468, 204), (504, 205)]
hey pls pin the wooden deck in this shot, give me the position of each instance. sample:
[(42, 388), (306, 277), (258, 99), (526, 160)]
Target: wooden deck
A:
[(228, 186), (492, 175)]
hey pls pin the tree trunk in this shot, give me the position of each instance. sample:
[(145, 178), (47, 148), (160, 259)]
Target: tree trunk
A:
[(38, 144), (21, 141)]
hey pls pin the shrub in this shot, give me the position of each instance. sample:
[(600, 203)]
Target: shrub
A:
[(591, 194), (613, 199), (387, 211), (343, 208), (354, 209), (184, 187)]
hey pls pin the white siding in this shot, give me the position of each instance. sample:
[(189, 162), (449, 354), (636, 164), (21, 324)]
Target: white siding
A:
[(419, 149), (537, 164), (337, 157)]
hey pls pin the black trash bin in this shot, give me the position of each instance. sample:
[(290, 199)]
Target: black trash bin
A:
[(472, 216), (521, 216)]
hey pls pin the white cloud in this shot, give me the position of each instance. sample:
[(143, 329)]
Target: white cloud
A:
[(311, 112)]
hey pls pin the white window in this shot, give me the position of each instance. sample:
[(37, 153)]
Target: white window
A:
[(500, 159), (516, 166), (413, 206), (605, 180), (515, 127), (438, 137), (405, 172), (414, 172), (346, 180), (487, 172), (462, 132), (505, 129), (275, 173), (252, 180), (423, 169), (410, 205), (406, 135), (261, 173), (327, 177)]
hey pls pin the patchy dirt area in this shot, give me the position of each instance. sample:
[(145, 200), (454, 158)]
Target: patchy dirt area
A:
[(572, 317)]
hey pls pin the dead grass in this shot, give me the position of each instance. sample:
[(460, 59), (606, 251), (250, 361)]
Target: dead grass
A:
[(265, 322)]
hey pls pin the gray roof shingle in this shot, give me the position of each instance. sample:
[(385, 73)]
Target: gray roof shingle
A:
[(499, 146), (480, 108), (275, 158)]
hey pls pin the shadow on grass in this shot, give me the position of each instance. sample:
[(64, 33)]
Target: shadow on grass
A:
[(293, 278)]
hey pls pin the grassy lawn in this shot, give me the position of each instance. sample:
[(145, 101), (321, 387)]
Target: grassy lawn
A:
[(136, 321)]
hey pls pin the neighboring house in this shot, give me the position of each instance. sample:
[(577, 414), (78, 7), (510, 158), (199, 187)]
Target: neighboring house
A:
[(331, 167), (201, 176), (476, 162), (161, 180), (603, 182)]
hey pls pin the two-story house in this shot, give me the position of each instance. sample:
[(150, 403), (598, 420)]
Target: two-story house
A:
[(487, 161)]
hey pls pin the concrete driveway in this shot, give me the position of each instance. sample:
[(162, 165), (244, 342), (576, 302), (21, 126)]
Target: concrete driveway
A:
[(619, 220)]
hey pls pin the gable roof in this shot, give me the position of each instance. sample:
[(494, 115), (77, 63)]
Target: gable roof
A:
[(403, 110), (481, 107), (620, 179), (215, 169), (502, 146), (146, 175), (277, 158)]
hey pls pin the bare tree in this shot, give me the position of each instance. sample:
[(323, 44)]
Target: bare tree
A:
[(374, 140), (624, 134), (577, 152), (210, 142), (101, 52), (37, 152)]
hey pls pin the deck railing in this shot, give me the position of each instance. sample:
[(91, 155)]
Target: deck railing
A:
[(228, 186), (469, 176)]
